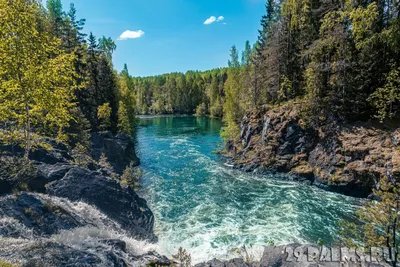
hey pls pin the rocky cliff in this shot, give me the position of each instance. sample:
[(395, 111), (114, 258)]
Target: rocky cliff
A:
[(56, 213), (345, 158)]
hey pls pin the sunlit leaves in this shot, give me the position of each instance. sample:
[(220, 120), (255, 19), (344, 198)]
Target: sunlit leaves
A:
[(37, 76)]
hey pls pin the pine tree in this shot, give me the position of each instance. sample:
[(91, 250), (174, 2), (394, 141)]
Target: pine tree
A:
[(385, 98), (104, 116), (90, 95), (107, 46), (56, 17), (124, 124), (234, 61), (266, 21), (232, 104)]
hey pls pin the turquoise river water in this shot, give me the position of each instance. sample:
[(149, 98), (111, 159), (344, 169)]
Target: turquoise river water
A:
[(209, 208)]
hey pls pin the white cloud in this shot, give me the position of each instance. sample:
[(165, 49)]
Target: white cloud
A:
[(210, 20), (213, 19), (131, 34)]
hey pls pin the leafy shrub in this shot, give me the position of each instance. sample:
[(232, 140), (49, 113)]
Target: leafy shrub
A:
[(17, 171), (81, 155), (183, 257), (201, 110), (104, 116), (6, 264), (131, 176)]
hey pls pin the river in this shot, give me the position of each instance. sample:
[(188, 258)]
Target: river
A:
[(210, 209)]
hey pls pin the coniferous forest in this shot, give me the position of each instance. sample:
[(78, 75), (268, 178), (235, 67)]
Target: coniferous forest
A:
[(62, 99), (341, 58)]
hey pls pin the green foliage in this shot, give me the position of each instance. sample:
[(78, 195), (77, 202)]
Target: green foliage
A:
[(108, 46), (201, 110), (234, 61), (230, 132), (37, 75), (131, 176), (178, 93), (78, 131), (124, 124), (183, 257), (384, 98), (17, 171), (380, 220), (81, 155), (104, 116), (285, 89), (6, 264)]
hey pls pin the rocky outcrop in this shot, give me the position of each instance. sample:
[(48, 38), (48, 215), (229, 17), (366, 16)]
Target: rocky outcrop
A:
[(109, 252), (28, 215), (57, 154), (120, 204), (349, 159), (119, 150), (41, 230), (53, 172)]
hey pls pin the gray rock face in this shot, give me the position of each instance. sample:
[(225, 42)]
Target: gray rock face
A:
[(43, 230), (120, 204), (119, 150), (76, 217), (339, 157), (47, 173), (265, 128), (49, 254), (28, 211)]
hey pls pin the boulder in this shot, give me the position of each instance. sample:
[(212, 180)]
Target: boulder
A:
[(120, 204), (15, 172), (29, 213), (59, 153), (45, 253), (119, 150), (47, 173), (49, 254)]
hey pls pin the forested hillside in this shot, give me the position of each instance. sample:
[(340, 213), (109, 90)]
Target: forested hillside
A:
[(55, 80), (200, 92), (342, 58)]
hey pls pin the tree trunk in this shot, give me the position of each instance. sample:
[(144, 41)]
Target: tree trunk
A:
[(27, 131)]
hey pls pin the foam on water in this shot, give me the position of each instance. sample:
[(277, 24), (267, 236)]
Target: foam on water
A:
[(209, 209), (89, 238)]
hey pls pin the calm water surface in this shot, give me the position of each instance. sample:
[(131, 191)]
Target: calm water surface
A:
[(209, 209)]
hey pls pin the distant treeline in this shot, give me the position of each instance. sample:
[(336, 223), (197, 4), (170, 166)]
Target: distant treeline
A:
[(181, 93), (342, 58)]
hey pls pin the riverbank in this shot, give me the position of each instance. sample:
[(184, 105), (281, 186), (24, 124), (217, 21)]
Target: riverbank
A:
[(85, 215), (344, 158), (58, 210), (210, 209)]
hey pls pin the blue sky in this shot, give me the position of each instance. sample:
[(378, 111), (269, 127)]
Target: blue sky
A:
[(175, 35)]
